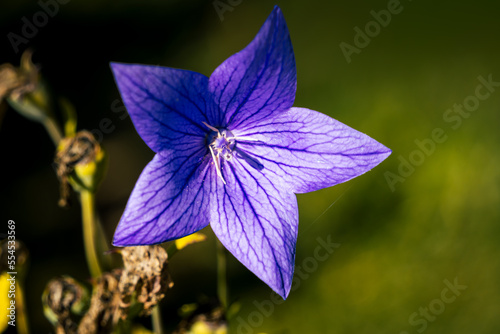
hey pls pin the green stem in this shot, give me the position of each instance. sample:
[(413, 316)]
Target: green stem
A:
[(156, 320), (89, 232), (102, 247), (172, 250), (222, 275), (53, 130), (32, 109)]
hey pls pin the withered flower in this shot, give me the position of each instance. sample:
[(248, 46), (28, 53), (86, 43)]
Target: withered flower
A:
[(104, 310), (144, 279), (82, 155), (146, 273), (16, 82), (61, 298), (25, 91)]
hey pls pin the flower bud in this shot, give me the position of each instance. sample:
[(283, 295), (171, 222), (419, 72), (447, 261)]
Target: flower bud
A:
[(207, 318)]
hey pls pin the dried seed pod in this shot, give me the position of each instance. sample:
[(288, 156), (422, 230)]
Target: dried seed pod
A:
[(82, 154), (143, 279), (104, 310), (146, 273), (62, 297), (16, 82)]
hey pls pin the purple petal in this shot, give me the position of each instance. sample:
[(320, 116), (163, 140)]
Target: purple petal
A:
[(167, 106), (169, 200), (310, 150), (259, 80), (257, 222)]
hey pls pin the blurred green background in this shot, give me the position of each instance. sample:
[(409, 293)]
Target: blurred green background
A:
[(398, 243)]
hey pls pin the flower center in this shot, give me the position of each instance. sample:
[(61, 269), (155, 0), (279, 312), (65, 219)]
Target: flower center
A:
[(221, 143)]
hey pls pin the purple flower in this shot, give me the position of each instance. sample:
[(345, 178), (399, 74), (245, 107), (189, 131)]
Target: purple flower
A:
[(233, 152)]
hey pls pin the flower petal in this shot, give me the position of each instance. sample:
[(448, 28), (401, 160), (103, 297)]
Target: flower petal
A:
[(310, 150), (167, 105), (169, 200), (259, 80), (257, 222)]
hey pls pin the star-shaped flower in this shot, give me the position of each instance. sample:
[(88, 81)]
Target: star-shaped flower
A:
[(233, 152)]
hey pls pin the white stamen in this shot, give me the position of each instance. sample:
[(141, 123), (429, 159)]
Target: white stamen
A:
[(242, 138), (211, 127), (216, 162)]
